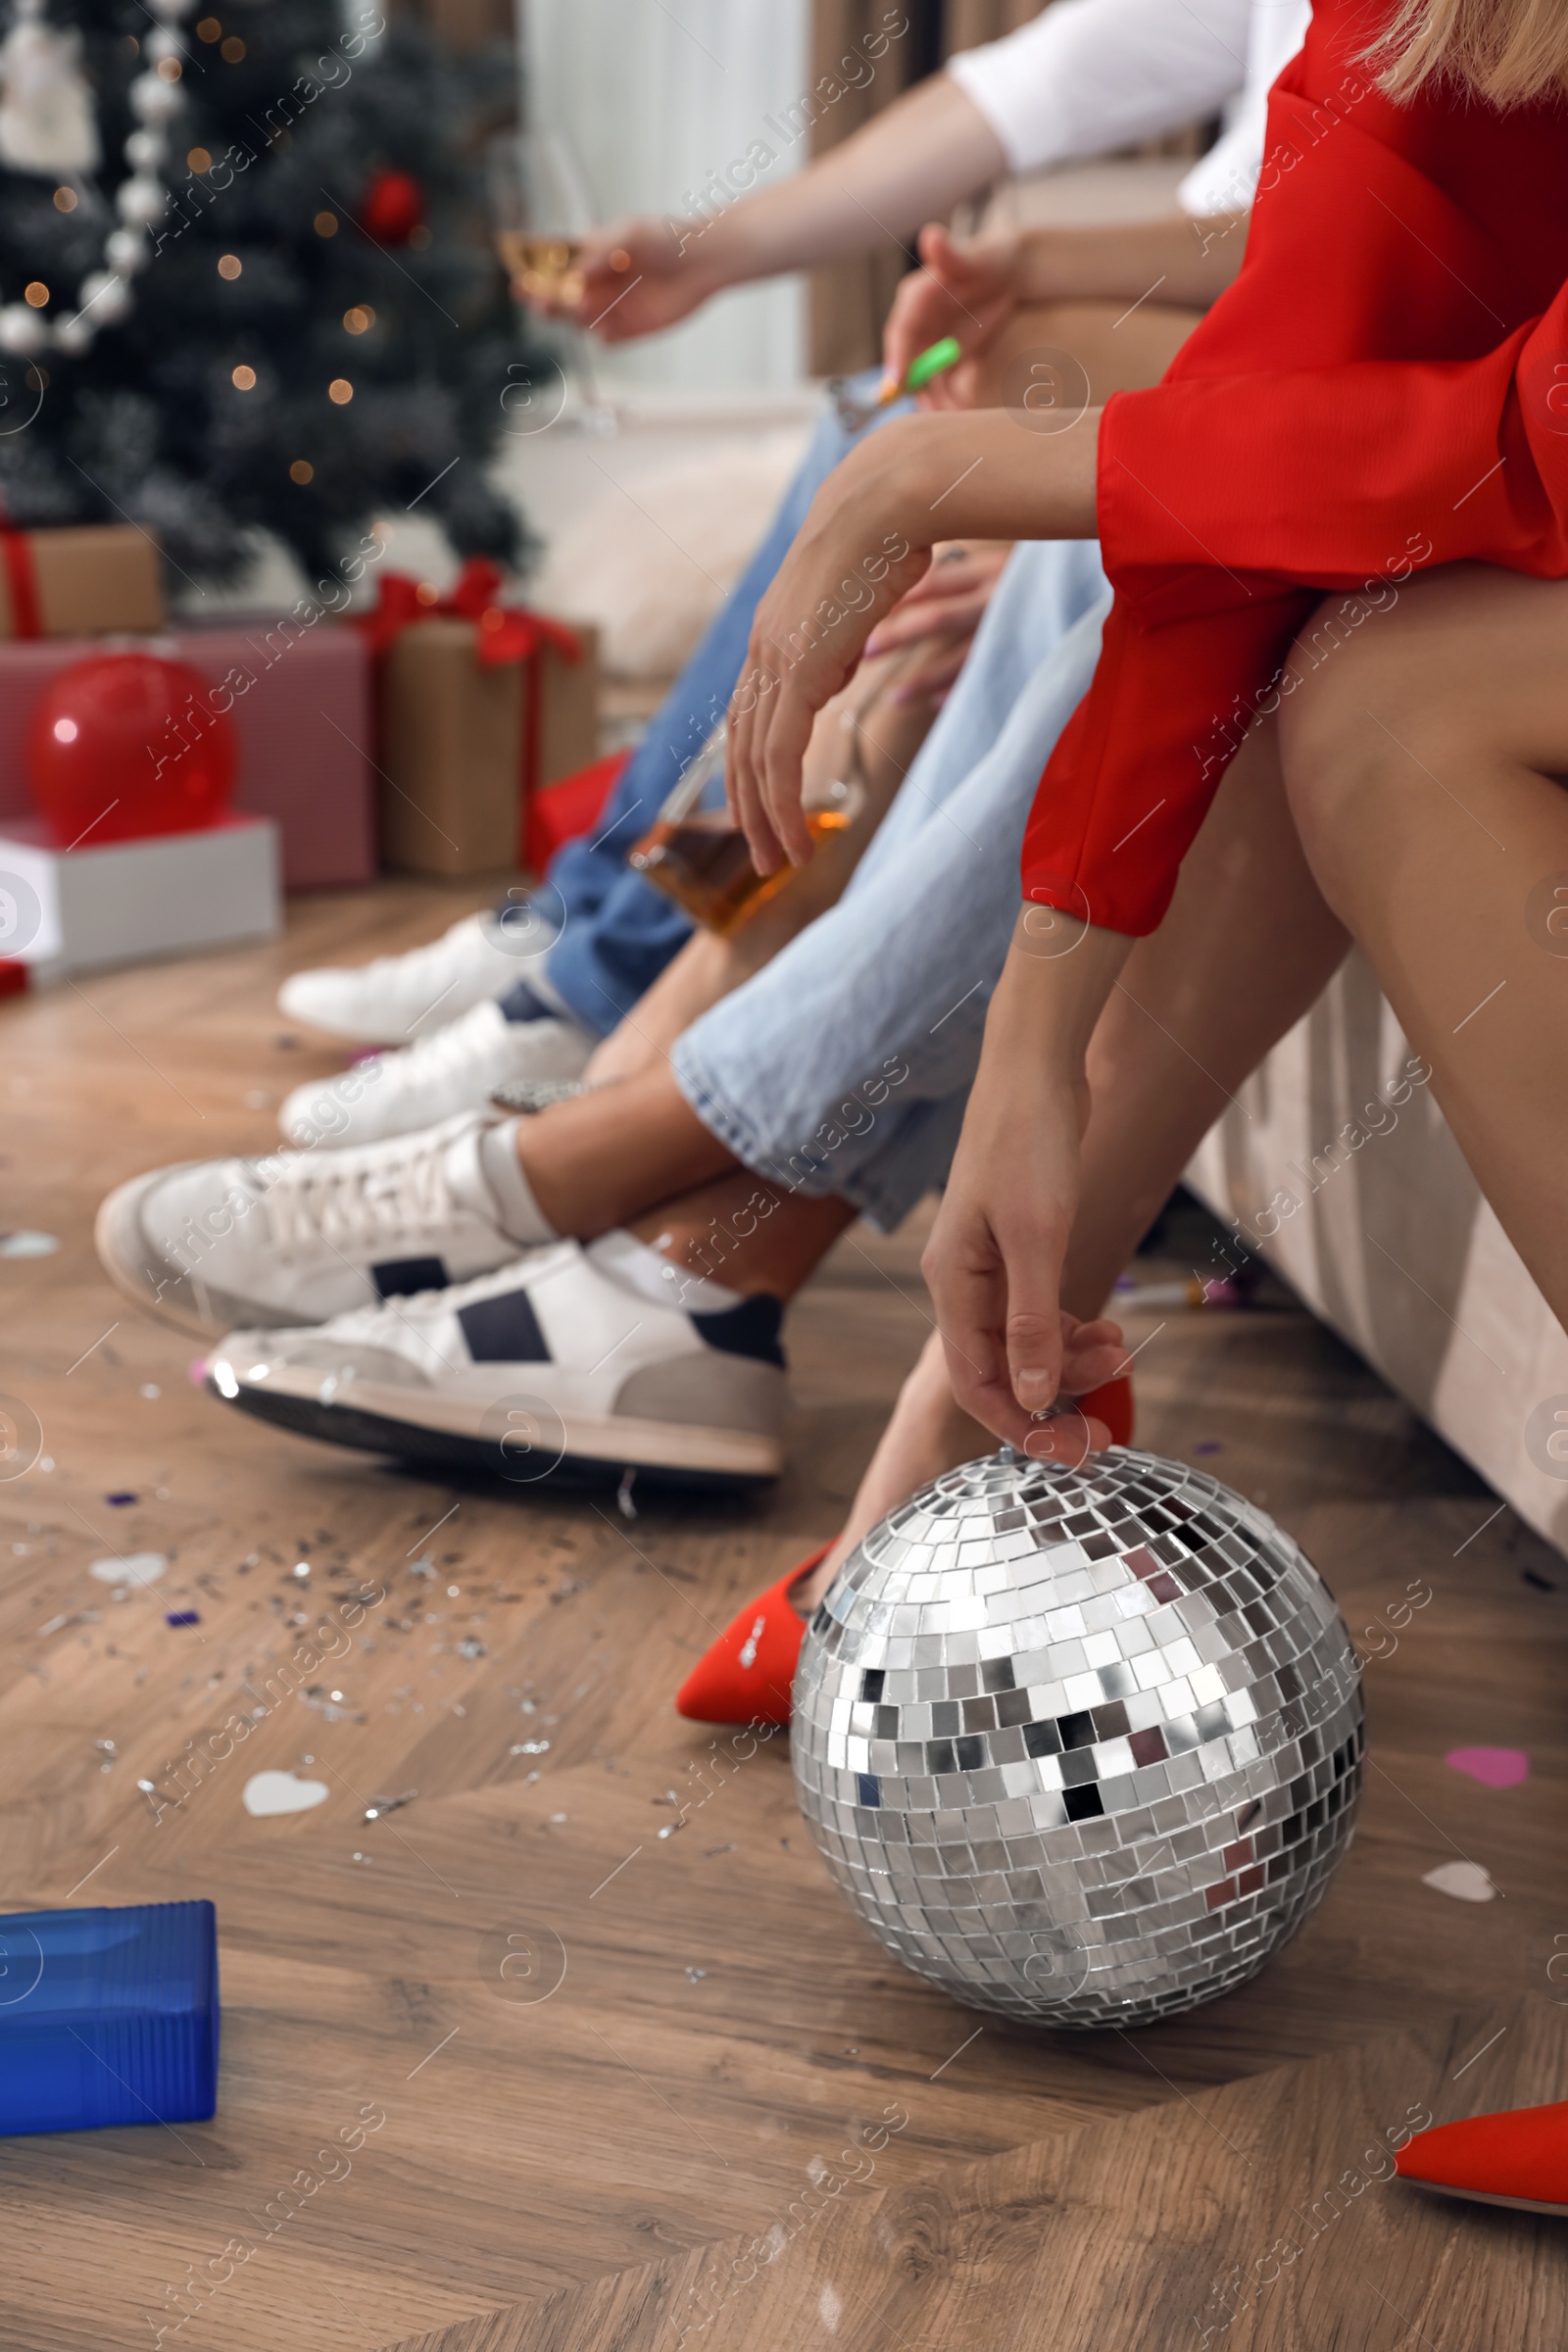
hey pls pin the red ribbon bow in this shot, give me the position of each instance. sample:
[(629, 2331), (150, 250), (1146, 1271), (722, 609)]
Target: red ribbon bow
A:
[(16, 556), (505, 632)]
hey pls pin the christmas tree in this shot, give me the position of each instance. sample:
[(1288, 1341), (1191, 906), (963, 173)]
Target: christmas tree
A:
[(244, 281)]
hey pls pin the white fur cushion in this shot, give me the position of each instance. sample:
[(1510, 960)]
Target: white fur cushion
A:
[(652, 564)]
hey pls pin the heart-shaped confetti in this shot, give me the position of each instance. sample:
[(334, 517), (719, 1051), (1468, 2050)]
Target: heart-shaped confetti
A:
[(135, 1568), (267, 1793), (28, 1245), (1466, 1881), (1493, 1767)]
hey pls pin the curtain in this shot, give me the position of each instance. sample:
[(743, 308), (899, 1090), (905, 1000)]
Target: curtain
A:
[(848, 301), (969, 22), (659, 98)]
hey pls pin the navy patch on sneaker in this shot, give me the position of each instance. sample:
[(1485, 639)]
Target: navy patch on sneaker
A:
[(504, 1330), (400, 1277), (749, 1329)]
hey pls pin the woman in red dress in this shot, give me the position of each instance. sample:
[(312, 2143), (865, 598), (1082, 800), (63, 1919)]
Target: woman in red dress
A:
[(1382, 395), (1377, 413)]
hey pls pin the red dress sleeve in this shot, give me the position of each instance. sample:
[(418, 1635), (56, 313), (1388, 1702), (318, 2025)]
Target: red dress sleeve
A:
[(1384, 388)]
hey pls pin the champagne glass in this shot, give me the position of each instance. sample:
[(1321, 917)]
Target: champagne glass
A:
[(541, 208)]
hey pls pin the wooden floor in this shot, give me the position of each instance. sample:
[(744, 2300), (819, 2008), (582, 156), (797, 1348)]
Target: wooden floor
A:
[(709, 2046)]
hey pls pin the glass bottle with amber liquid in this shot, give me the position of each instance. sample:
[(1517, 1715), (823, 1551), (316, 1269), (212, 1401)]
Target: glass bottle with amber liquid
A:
[(697, 855)]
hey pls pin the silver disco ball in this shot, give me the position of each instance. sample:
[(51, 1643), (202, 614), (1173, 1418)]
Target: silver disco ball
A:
[(1080, 1745)]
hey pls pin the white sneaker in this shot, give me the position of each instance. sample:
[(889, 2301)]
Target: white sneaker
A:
[(554, 1364), (455, 1068), (303, 1235), (401, 997)]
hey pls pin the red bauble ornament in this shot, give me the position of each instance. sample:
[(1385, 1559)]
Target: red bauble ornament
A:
[(392, 206), (125, 744)]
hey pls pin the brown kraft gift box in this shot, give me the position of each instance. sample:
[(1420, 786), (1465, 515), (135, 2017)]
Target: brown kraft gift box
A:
[(463, 743), (79, 581)]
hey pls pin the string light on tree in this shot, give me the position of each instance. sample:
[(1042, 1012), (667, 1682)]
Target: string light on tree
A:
[(169, 225)]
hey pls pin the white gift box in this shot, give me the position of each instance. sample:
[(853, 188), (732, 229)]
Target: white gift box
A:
[(132, 901)]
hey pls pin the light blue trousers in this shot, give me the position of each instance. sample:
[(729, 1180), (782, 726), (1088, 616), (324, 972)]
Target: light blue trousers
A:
[(845, 1064)]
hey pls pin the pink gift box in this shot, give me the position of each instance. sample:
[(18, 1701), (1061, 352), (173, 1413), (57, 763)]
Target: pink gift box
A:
[(302, 728)]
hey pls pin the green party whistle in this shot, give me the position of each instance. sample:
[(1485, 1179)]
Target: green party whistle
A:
[(853, 413), (932, 362)]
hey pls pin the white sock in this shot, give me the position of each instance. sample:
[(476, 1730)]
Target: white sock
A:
[(485, 1173), (638, 1267)]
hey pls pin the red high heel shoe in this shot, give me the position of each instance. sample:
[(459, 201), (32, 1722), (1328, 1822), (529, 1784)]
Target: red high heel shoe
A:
[(747, 1674), (1518, 2158), (1113, 1404)]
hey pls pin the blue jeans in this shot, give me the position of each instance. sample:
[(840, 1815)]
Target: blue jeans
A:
[(615, 932), (844, 1065)]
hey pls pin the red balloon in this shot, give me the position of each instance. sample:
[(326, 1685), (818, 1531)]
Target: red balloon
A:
[(392, 206), (126, 745)]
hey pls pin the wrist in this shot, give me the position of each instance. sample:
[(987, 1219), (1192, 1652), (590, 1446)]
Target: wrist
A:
[(761, 235), (1043, 267), (909, 470), (1058, 973)]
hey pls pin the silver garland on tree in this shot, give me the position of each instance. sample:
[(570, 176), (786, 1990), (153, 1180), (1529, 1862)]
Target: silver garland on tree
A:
[(47, 126)]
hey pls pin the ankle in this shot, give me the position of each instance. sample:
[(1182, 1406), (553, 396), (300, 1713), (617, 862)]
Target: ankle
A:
[(806, 1590)]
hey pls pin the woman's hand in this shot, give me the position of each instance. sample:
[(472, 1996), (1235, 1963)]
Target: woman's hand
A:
[(864, 544), (967, 291), (1090, 1355), (940, 614), (844, 573), (993, 1261), (995, 1257)]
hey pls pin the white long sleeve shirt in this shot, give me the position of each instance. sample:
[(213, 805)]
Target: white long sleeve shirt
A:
[(1088, 76)]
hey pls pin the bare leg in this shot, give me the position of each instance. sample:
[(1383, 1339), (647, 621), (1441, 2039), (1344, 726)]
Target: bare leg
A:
[(1246, 948), (746, 1233), (604, 1158), (1425, 759)]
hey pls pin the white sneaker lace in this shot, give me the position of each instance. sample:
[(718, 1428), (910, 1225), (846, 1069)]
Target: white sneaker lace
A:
[(361, 1201)]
